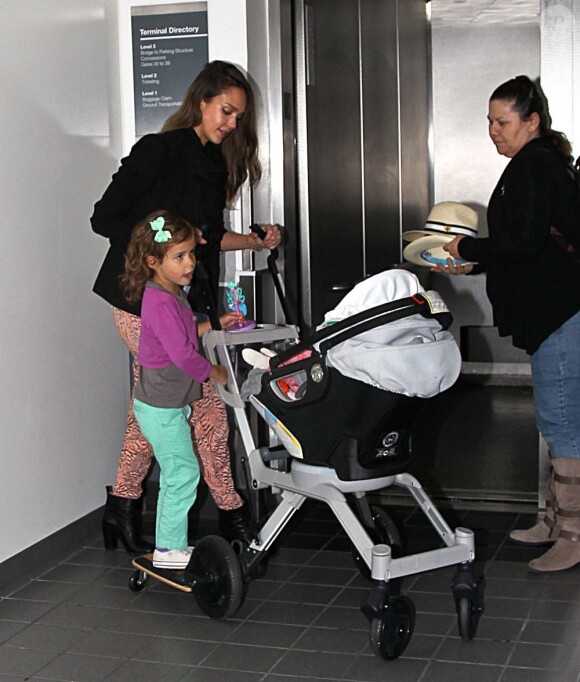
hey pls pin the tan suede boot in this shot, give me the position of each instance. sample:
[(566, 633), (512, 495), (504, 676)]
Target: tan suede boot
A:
[(566, 551), (546, 530)]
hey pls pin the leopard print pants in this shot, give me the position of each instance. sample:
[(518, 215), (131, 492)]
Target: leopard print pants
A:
[(209, 431)]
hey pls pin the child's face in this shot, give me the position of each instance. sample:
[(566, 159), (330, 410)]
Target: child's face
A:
[(176, 268)]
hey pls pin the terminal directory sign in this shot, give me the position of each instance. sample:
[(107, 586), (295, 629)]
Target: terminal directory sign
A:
[(169, 50)]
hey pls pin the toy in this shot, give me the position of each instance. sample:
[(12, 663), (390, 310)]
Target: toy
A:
[(236, 303)]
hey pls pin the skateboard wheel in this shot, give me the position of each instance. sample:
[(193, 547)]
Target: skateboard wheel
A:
[(137, 581)]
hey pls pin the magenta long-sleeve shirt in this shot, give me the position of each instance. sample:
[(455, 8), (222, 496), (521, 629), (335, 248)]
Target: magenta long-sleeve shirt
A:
[(168, 339)]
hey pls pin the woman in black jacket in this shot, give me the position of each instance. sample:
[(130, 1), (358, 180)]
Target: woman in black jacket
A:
[(533, 283), (193, 168)]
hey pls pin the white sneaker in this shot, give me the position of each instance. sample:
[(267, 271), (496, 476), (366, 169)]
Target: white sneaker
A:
[(172, 558)]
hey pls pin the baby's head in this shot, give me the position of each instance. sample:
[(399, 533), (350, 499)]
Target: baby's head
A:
[(151, 238)]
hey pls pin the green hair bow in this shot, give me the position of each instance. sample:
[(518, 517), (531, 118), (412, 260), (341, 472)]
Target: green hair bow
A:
[(157, 225)]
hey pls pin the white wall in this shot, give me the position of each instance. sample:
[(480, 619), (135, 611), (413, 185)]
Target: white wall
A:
[(64, 373)]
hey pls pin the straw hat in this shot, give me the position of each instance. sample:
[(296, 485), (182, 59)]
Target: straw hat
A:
[(428, 251), (447, 218)]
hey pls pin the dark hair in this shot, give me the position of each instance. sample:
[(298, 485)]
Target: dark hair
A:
[(143, 244), (240, 147), (527, 98)]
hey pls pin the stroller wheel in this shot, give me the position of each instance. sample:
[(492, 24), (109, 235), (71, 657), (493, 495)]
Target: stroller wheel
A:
[(216, 577), (385, 531), (467, 618), (392, 630)]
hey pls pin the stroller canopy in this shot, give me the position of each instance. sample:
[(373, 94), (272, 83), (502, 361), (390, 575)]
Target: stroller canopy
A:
[(413, 356)]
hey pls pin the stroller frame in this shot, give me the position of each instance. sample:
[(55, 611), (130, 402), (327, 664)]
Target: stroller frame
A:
[(391, 615)]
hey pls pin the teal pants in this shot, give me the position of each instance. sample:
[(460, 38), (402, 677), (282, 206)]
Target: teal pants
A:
[(169, 434)]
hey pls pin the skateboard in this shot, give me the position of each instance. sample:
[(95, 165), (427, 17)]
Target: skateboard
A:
[(213, 575), (173, 578)]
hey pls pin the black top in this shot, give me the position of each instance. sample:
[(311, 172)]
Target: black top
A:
[(169, 171), (533, 283)]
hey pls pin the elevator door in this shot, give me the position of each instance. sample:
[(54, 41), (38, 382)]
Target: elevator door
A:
[(352, 143)]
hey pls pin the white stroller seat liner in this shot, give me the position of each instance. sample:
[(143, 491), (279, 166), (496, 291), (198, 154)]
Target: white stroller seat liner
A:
[(412, 356)]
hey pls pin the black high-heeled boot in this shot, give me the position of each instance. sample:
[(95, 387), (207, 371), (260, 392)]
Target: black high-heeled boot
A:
[(122, 521), (236, 524)]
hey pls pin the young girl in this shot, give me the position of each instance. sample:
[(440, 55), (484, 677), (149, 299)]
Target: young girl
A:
[(160, 260)]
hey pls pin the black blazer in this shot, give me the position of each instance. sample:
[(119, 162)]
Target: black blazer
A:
[(533, 283), (169, 171)]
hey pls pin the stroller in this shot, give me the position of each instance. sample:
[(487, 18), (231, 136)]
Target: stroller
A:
[(335, 440)]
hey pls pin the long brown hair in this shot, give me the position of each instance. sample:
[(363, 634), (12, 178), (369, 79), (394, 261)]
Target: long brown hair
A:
[(137, 271), (240, 147), (527, 98)]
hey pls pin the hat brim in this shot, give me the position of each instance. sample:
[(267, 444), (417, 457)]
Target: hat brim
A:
[(428, 251), (411, 235)]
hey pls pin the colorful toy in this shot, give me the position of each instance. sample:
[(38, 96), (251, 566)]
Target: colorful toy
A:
[(236, 303)]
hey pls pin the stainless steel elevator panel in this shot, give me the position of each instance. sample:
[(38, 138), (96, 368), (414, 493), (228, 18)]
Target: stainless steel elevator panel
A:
[(361, 104), (334, 150), (380, 139), (414, 114)]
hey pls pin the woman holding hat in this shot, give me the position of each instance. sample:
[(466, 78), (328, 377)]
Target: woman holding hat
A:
[(446, 220), (533, 283)]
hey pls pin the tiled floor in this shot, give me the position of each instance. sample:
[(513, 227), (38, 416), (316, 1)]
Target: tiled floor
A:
[(77, 620)]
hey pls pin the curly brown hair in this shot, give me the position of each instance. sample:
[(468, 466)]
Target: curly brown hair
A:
[(240, 148), (143, 244)]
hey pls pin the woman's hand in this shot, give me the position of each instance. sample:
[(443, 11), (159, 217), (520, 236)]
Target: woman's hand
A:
[(453, 248), (453, 268), (229, 319), (272, 239)]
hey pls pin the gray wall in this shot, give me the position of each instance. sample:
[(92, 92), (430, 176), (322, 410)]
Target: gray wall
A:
[(470, 58)]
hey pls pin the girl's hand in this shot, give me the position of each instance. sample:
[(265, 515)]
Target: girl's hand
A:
[(219, 375), (272, 240), (229, 319)]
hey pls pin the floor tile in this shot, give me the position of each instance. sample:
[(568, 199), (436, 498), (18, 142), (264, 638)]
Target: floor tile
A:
[(174, 651), (438, 671), (317, 663), (267, 634), (339, 640), (370, 668), (134, 671), (220, 675), (244, 658), (23, 610), (75, 667), (8, 628), (46, 638), (25, 662)]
